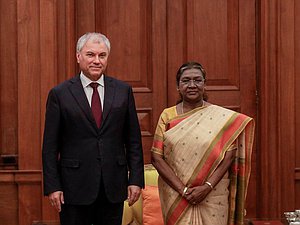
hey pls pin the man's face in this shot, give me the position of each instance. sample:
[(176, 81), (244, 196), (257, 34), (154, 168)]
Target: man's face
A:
[(92, 59)]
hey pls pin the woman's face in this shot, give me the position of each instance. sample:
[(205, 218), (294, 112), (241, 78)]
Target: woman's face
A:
[(191, 85)]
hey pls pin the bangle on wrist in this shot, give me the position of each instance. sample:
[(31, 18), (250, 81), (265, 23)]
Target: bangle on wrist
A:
[(209, 184), (185, 189)]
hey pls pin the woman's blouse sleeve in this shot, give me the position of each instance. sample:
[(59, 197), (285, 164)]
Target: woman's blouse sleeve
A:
[(158, 145)]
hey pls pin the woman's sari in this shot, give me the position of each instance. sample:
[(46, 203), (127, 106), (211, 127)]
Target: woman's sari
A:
[(193, 144)]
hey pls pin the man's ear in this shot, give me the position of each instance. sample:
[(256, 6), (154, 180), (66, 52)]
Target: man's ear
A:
[(77, 57)]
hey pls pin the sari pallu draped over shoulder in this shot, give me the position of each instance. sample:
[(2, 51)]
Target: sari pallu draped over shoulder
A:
[(194, 145)]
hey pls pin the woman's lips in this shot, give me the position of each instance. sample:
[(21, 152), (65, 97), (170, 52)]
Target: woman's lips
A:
[(192, 92)]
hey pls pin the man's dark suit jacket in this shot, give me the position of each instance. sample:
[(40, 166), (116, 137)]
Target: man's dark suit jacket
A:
[(76, 153)]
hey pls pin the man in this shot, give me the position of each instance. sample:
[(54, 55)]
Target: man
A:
[(92, 151)]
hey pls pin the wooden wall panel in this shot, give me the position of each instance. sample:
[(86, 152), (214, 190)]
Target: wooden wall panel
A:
[(9, 85), (51, 64), (9, 202), (30, 69), (297, 102), (269, 179), (176, 43), (150, 40), (66, 40), (48, 57), (286, 90), (29, 77), (277, 108), (20, 194), (85, 16), (212, 34), (130, 58), (29, 196)]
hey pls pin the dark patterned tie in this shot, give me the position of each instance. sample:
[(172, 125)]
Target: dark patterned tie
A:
[(96, 104)]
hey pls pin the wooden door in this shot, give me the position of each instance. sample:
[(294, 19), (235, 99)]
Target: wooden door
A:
[(221, 36)]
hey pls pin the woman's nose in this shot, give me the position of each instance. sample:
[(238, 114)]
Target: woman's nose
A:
[(192, 83)]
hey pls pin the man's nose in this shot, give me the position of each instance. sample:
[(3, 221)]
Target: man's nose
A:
[(97, 59)]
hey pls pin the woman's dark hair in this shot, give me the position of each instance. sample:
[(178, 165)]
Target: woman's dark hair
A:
[(188, 66)]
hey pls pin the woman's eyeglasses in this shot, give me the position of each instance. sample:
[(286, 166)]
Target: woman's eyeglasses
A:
[(198, 83)]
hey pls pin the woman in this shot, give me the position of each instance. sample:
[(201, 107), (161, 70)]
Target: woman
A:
[(202, 153)]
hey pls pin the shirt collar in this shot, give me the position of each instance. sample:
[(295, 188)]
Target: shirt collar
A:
[(86, 81)]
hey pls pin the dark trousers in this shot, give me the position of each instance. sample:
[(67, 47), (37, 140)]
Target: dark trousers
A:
[(101, 212)]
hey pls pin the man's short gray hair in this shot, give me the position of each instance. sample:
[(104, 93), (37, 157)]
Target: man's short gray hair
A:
[(95, 37)]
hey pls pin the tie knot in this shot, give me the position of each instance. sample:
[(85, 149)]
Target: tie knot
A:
[(94, 85)]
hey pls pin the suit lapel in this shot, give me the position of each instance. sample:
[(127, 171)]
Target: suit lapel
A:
[(80, 97), (109, 94)]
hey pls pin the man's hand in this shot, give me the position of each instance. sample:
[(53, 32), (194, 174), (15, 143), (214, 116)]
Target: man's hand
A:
[(56, 199), (133, 194)]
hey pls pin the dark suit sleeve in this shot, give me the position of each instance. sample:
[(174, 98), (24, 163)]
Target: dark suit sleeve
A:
[(133, 145), (50, 152)]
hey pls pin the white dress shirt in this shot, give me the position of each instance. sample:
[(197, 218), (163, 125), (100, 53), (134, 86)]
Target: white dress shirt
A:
[(85, 81)]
